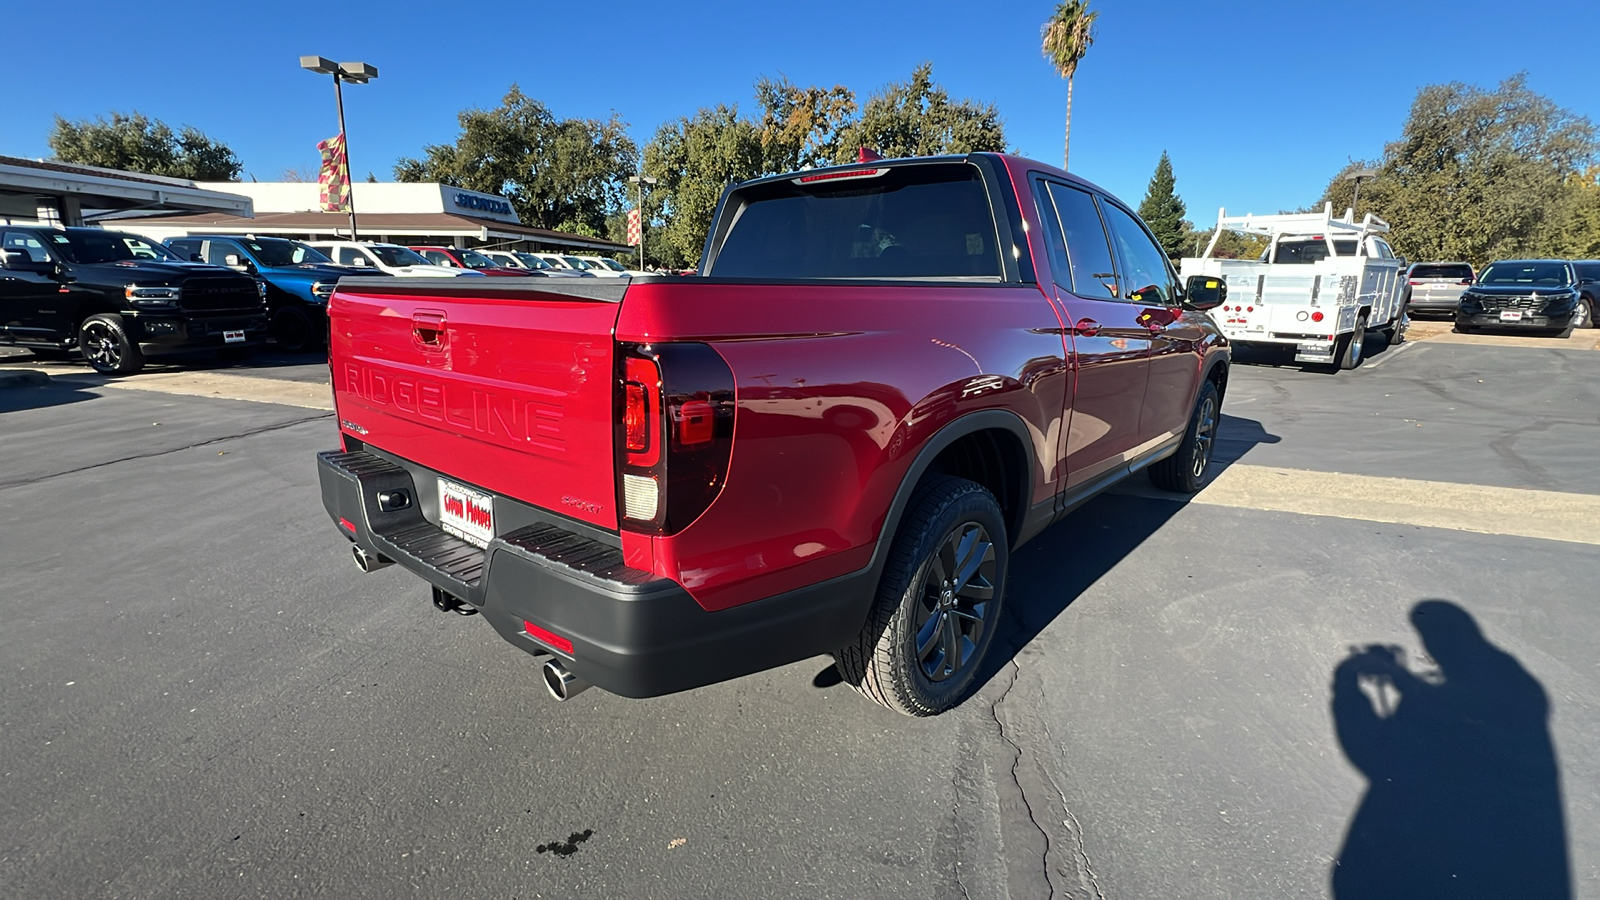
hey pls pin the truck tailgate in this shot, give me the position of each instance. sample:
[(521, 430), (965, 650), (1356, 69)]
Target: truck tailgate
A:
[(505, 387)]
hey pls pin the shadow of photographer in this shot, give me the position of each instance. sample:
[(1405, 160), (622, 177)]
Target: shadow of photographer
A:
[(1463, 791)]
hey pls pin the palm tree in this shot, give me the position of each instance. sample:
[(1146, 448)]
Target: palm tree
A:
[(1067, 36)]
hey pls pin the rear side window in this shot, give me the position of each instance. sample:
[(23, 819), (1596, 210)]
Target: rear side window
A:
[(1453, 271), (911, 222), (1088, 251), (1588, 271), (185, 249)]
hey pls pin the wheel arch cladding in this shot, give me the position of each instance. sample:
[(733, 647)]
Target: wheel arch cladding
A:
[(990, 448)]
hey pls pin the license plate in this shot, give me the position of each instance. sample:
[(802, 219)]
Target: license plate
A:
[(233, 337), (1511, 315), (466, 513)]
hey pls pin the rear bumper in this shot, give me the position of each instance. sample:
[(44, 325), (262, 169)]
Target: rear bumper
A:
[(633, 633)]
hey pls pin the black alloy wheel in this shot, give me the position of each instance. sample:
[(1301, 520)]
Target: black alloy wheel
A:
[(922, 648), (1188, 469), (291, 328), (957, 590), (105, 344)]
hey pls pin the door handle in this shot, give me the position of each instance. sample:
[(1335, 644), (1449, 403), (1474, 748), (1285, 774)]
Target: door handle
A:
[(1086, 328), (427, 326)]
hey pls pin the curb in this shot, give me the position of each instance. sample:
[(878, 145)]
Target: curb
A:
[(23, 378)]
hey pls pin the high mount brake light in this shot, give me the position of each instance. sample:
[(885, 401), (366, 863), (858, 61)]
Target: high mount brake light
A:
[(674, 433), (838, 176)]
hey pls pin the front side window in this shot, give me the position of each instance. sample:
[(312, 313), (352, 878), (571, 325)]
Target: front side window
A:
[(89, 247), (185, 248), (475, 260), (21, 240), (1146, 275), (439, 258), (398, 256), (352, 256), (217, 252), (280, 252), (533, 262)]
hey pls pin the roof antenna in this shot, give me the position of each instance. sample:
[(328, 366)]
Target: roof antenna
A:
[(867, 154)]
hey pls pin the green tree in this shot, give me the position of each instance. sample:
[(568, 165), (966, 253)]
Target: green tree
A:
[(136, 143), (1068, 34), (563, 174), (801, 126), (1479, 175), (917, 118), (695, 158), (1163, 211)]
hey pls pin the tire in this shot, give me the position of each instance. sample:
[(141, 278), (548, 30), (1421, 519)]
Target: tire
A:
[(293, 331), (1394, 334), (923, 603), (1464, 329), (1584, 317), (1352, 348), (105, 344), (1189, 468)]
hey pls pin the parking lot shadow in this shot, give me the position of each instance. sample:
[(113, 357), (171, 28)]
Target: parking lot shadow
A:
[(56, 393), (1463, 791), (1052, 570)]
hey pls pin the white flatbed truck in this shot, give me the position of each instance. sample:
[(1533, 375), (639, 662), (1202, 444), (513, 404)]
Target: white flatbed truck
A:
[(1319, 287)]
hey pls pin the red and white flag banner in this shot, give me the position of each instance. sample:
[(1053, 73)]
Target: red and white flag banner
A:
[(334, 177), (633, 228)]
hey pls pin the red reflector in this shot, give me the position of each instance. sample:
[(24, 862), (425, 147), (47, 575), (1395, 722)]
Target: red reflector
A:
[(1251, 309), (694, 422), (1414, 281), (636, 417), (1316, 317), (550, 638), (835, 176), (347, 525)]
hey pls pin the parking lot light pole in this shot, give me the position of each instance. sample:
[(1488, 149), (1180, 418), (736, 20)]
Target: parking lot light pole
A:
[(641, 181), (1358, 176), (355, 73)]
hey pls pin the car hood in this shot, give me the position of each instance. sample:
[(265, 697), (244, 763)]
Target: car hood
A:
[(154, 271), (314, 271), (1518, 290)]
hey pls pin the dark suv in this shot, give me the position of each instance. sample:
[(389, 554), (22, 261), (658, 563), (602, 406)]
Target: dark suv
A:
[(119, 297), (1526, 294), (298, 280), (1588, 272)]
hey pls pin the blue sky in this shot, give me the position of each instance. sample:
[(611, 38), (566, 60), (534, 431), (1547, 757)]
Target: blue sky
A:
[(1258, 103)]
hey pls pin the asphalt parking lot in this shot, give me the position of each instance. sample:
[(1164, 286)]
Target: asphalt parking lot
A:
[(206, 699)]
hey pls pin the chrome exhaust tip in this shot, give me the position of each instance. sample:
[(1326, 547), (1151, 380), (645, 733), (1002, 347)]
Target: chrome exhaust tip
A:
[(562, 684), (368, 562)]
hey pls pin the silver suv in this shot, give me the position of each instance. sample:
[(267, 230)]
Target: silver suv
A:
[(1437, 287)]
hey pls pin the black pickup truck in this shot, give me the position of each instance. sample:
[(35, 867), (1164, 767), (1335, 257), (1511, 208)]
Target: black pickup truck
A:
[(118, 297)]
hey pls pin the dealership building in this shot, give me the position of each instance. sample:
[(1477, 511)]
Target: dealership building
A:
[(44, 192), (392, 212)]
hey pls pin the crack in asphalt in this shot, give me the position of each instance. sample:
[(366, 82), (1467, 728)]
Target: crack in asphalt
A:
[(18, 482), (1016, 762)]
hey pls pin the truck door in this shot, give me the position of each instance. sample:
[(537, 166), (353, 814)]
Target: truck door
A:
[(1174, 362), (30, 302), (1110, 347)]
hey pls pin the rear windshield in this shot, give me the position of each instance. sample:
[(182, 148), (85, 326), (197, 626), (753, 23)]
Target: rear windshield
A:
[(1537, 274), (1312, 251), (912, 222), (1454, 271)]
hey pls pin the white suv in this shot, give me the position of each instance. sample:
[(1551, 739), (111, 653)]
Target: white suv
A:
[(391, 259)]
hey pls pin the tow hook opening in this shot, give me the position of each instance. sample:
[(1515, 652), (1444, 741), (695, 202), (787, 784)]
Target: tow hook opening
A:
[(447, 602)]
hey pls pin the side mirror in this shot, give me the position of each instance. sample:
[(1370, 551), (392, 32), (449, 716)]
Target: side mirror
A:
[(1204, 292), (22, 261), (235, 261), (195, 257)]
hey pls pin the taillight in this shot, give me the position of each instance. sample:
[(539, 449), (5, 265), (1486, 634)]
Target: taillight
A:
[(1316, 317), (1414, 281), (674, 434)]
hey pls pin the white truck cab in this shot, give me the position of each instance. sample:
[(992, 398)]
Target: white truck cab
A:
[(607, 268), (392, 259), (1319, 287)]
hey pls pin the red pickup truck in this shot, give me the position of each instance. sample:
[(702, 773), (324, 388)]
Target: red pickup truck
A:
[(886, 378)]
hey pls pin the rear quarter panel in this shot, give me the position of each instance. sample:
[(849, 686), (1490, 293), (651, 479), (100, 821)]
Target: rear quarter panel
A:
[(838, 387)]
